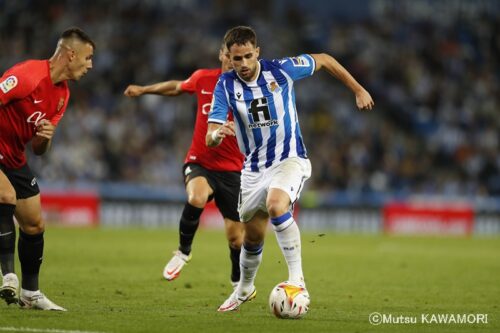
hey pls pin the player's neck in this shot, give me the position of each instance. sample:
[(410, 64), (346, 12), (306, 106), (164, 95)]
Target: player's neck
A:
[(57, 68)]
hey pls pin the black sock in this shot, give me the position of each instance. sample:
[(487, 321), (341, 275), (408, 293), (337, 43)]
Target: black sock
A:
[(30, 249), (7, 238), (190, 220), (235, 261)]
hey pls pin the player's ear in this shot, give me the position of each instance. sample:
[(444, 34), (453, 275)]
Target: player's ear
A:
[(71, 54), (257, 52)]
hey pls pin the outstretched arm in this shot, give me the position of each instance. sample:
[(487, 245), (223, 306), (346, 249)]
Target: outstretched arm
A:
[(167, 88), (324, 61), (217, 132)]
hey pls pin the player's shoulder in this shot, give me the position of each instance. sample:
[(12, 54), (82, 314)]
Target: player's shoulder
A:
[(31, 67), (206, 73), (30, 71), (229, 75)]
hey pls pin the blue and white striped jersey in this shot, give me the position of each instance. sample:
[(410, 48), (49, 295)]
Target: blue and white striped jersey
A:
[(267, 127)]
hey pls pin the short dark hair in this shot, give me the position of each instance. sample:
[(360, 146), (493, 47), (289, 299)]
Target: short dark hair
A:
[(240, 35), (79, 34)]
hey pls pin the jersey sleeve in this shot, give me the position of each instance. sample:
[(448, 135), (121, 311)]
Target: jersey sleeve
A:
[(298, 67), (220, 106), (15, 84), (189, 85)]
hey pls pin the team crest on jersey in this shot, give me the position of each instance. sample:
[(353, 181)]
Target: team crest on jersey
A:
[(274, 87), (60, 105), (300, 62), (8, 84)]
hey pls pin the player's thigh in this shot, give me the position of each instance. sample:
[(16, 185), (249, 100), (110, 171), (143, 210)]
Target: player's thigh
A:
[(29, 215), (7, 192), (253, 194), (199, 186), (198, 191), (227, 193), (289, 177)]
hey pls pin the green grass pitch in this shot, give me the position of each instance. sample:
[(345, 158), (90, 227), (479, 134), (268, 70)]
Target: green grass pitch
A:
[(110, 281)]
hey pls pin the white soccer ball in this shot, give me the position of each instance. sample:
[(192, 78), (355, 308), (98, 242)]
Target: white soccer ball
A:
[(289, 301)]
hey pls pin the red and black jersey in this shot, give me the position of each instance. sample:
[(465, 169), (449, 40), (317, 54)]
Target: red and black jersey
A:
[(27, 95), (226, 156)]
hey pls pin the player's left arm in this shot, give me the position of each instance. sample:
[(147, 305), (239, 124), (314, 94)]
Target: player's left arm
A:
[(324, 61), (40, 143)]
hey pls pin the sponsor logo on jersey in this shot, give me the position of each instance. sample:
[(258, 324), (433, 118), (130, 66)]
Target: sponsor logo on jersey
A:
[(36, 101), (60, 105), (300, 62), (260, 115), (204, 92), (35, 117), (8, 84), (187, 171), (192, 157), (33, 181)]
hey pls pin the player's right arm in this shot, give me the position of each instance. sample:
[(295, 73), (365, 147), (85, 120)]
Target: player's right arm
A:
[(217, 132), (218, 126), (166, 88)]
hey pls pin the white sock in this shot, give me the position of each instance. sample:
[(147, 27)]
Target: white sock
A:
[(250, 259), (29, 293), (288, 235)]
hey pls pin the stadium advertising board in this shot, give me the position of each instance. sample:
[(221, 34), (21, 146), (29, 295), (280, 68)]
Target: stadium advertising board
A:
[(428, 218), (71, 208)]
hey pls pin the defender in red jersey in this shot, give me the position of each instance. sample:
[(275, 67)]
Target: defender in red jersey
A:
[(33, 97), (208, 173)]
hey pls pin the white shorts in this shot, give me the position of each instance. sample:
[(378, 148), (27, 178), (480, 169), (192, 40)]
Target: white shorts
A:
[(288, 176)]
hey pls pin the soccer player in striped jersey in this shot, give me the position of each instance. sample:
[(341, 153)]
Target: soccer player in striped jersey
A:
[(260, 95), (209, 173), (34, 95)]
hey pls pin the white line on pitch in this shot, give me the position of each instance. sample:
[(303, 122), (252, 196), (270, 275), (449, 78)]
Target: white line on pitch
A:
[(41, 330)]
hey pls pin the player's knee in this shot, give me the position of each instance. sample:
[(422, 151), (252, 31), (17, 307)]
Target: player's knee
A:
[(197, 200), (254, 238), (276, 208), (8, 195), (34, 226), (235, 240)]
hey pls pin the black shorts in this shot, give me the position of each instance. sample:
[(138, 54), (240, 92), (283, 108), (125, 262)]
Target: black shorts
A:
[(225, 184), (23, 181)]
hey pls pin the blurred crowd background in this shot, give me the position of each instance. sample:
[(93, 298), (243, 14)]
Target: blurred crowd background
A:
[(432, 67)]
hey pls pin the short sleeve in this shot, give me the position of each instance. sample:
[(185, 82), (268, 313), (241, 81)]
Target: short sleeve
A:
[(298, 67), (220, 107), (189, 85), (14, 85)]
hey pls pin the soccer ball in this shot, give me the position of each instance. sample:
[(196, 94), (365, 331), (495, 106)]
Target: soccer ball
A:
[(289, 301)]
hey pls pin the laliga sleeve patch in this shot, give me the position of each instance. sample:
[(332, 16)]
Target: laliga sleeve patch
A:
[(8, 84), (300, 61)]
